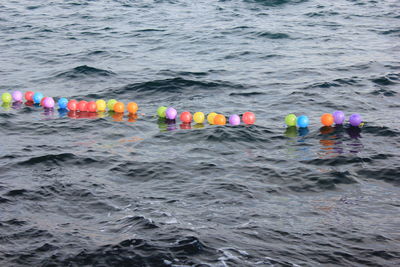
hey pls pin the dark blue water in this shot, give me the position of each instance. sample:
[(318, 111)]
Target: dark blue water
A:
[(132, 191)]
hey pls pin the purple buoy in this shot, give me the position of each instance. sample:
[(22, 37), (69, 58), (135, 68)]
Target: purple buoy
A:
[(17, 96), (338, 117), (171, 113), (355, 120), (234, 119)]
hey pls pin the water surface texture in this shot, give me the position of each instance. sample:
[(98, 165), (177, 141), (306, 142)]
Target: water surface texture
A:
[(113, 190)]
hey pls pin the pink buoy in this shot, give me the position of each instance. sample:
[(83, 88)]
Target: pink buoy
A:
[(48, 102)]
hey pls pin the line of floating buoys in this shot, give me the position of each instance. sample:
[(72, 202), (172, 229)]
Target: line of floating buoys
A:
[(338, 117), (171, 114), (71, 105)]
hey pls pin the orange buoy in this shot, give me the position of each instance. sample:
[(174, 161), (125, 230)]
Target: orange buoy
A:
[(219, 119), (119, 107), (132, 107), (327, 119)]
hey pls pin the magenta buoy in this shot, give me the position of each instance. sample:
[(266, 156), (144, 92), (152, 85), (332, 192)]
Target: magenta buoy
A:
[(48, 102)]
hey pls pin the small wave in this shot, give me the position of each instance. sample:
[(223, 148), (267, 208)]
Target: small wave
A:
[(16, 192), (87, 33), (62, 159), (324, 85), (227, 134), (316, 182), (321, 14), (13, 222), (146, 171), (3, 200), (136, 221), (353, 81), (150, 30), (272, 35), (44, 30), (241, 28), (173, 85), (337, 161), (384, 92), (389, 175), (395, 31), (235, 188), (273, 3), (244, 54), (381, 131), (32, 7), (84, 71), (386, 80), (184, 73), (97, 52), (139, 252), (249, 94), (6, 116)]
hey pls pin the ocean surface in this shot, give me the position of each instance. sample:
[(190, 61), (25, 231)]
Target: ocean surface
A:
[(113, 190)]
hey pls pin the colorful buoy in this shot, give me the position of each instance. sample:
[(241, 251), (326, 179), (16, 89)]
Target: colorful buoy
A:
[(91, 106), (302, 121), (171, 113), (198, 117), (234, 119), (101, 105), (48, 102), (29, 95), (327, 119), (186, 117), (17, 96), (210, 117), (291, 120), (62, 103), (132, 107), (119, 107), (111, 103), (82, 106), (338, 117), (6, 97), (355, 120), (219, 119), (72, 105), (249, 118), (161, 112), (37, 97)]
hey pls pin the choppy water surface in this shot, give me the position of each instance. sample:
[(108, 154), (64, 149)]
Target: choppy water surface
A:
[(132, 191)]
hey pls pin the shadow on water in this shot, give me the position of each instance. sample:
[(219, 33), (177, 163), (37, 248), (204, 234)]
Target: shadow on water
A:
[(185, 126), (118, 117), (297, 146), (333, 141), (166, 125), (6, 106)]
